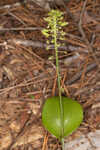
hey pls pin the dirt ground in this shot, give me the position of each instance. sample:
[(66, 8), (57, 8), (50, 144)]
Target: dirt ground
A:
[(28, 77)]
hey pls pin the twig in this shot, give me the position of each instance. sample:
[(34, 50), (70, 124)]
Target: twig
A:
[(17, 18), (84, 35), (17, 4), (18, 29), (38, 44), (78, 75)]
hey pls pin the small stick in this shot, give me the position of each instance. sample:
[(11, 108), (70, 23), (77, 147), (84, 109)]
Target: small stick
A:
[(84, 35), (77, 76)]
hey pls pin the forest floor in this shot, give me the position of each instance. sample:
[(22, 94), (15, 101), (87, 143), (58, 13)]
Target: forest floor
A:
[(28, 77)]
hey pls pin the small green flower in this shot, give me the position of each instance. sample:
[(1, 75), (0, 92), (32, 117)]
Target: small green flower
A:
[(54, 29), (50, 58), (45, 32)]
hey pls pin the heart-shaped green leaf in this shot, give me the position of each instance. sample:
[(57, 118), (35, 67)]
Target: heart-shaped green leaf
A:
[(73, 116)]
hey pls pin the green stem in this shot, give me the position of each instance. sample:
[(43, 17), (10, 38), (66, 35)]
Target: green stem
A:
[(59, 80), (62, 142)]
